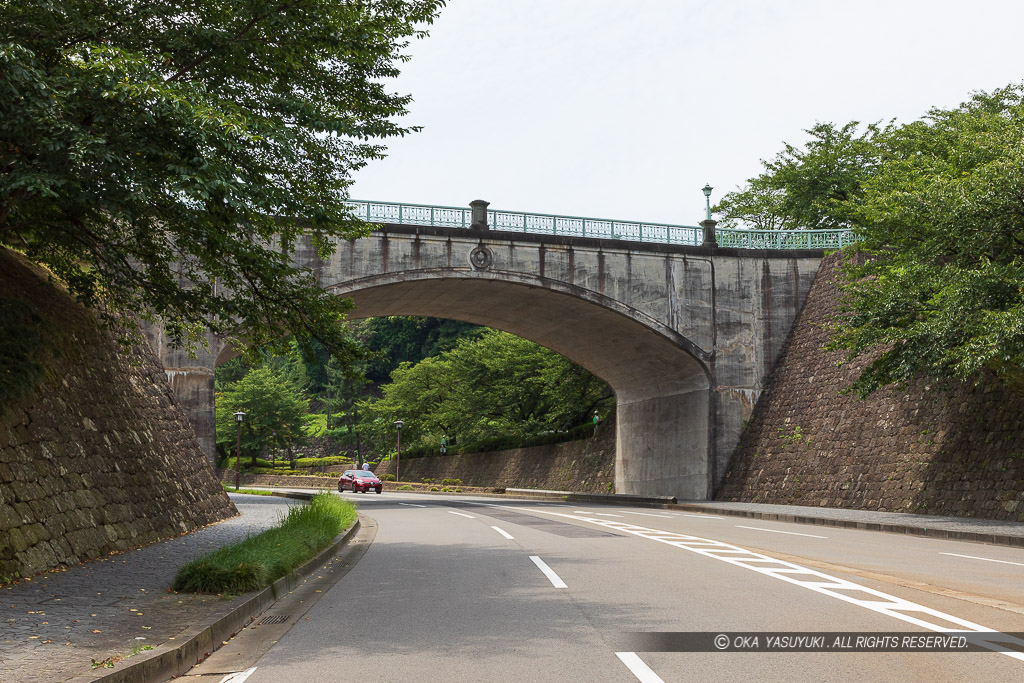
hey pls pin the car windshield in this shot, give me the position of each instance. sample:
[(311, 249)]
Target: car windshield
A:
[(366, 475)]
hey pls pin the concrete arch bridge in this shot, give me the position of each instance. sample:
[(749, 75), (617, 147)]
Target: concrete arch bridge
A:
[(683, 329)]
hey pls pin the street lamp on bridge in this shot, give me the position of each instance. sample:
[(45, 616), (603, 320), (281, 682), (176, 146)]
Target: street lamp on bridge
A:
[(239, 416)]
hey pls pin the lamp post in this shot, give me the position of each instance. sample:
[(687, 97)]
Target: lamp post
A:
[(708, 224), (239, 416), (273, 454), (398, 458)]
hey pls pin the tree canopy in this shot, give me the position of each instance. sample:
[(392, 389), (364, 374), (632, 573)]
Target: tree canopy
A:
[(164, 158), (936, 286), (493, 385), (271, 404)]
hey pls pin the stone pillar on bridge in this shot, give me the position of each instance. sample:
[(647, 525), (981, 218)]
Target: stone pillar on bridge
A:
[(709, 233)]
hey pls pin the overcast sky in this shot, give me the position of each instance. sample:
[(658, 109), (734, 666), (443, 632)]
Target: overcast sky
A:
[(626, 108)]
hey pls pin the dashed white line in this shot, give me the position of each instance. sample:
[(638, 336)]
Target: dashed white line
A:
[(555, 580), (685, 514), (503, 533), (776, 531), (986, 559), (413, 505), (646, 514), (638, 668), (238, 676), (460, 514)]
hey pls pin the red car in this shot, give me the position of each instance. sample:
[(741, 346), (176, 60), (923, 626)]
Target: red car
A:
[(359, 481)]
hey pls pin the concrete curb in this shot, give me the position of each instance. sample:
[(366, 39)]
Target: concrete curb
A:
[(610, 498), (888, 527), (171, 660)]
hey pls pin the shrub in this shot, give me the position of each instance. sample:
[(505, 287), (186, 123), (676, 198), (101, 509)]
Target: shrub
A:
[(427, 480), (434, 488), (387, 477), (405, 487), (451, 482), (262, 559)]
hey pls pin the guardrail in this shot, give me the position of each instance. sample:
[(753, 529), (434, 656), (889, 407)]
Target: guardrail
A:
[(577, 226)]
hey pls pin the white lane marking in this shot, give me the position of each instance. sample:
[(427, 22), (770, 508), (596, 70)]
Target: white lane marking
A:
[(413, 505), (638, 668), (646, 514), (460, 514), (702, 516), (776, 531), (555, 580), (832, 586), (607, 514), (503, 533), (987, 559), (238, 676)]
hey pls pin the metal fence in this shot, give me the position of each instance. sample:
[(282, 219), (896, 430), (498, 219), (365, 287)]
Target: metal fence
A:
[(575, 226)]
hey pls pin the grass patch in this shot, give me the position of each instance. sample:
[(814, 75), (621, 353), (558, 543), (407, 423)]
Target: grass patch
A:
[(262, 559), (251, 492)]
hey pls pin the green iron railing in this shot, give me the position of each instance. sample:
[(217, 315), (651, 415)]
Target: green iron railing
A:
[(576, 226)]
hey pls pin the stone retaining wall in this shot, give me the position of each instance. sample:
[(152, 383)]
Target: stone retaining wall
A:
[(948, 449), (97, 456), (586, 466)]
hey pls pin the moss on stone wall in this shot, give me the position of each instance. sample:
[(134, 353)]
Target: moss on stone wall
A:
[(932, 448), (95, 454)]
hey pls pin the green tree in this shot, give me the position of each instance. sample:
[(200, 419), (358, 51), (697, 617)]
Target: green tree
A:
[(496, 385), (408, 339), (270, 404), (817, 187), (936, 285), (939, 288), (164, 158)]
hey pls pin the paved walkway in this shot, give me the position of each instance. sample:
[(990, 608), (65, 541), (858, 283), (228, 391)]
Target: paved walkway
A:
[(53, 626)]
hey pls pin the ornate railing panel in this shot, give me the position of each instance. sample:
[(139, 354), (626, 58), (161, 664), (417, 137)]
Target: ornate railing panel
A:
[(576, 226)]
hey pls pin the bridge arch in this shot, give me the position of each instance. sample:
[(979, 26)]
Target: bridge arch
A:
[(685, 335), (660, 378)]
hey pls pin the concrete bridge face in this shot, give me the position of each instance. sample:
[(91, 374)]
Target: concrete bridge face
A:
[(685, 336)]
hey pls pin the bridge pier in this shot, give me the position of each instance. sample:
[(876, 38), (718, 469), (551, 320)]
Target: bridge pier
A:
[(662, 446), (191, 378)]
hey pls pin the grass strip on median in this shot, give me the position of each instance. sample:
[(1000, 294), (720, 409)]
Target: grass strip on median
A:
[(260, 560), (251, 492)]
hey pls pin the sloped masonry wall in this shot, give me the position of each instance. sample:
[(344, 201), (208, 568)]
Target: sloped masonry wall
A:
[(587, 466), (97, 456), (952, 449)]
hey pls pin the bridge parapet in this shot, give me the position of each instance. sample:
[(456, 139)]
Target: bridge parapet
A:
[(579, 226)]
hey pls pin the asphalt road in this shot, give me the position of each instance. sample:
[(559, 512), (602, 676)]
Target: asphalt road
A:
[(470, 589)]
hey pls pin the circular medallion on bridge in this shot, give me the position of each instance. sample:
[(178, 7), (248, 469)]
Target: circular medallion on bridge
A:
[(481, 258)]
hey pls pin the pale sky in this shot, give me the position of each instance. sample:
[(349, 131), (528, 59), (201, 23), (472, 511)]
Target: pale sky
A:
[(625, 108)]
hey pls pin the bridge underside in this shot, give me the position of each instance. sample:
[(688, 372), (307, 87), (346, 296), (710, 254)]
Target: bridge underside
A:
[(664, 445)]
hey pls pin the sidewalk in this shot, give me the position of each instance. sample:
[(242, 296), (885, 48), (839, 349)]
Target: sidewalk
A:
[(55, 624)]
